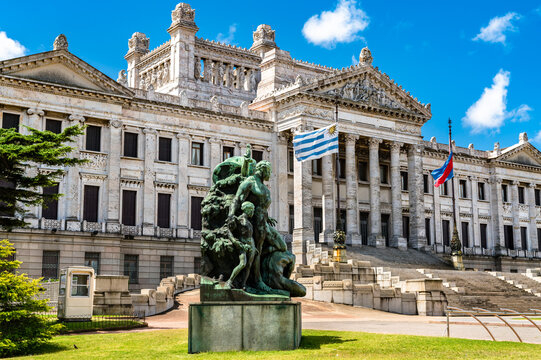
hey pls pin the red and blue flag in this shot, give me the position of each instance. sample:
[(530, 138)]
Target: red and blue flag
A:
[(444, 173)]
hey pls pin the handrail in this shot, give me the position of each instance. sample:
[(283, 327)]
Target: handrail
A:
[(472, 315), (524, 316), (499, 317)]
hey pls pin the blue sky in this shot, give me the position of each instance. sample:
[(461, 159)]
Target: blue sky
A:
[(477, 62)]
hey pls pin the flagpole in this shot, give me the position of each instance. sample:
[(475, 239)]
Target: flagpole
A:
[(337, 157), (456, 245)]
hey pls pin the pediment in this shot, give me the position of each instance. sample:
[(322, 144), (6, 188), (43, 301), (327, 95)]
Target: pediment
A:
[(367, 86), (62, 68), (526, 154)]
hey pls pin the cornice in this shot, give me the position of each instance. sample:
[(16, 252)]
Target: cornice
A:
[(231, 50)]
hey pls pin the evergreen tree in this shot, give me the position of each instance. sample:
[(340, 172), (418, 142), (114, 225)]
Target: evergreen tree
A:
[(22, 330), (20, 181)]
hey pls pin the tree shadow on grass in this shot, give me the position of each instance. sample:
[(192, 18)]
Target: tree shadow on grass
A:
[(315, 341), (50, 348)]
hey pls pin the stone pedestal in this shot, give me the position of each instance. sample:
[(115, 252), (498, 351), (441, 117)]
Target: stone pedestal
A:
[(238, 326)]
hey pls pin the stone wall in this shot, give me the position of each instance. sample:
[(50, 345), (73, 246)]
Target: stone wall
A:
[(111, 295)]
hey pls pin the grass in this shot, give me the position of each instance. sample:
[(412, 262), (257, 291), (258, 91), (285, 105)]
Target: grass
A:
[(316, 344), (98, 322)]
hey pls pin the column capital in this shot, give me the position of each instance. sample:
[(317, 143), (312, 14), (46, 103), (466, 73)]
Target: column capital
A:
[(516, 182), (374, 142), (415, 147), (215, 140), (115, 123), (35, 111), (149, 131), (532, 185), (474, 178), (351, 137), (283, 138), (495, 180), (76, 117), (183, 136), (395, 145)]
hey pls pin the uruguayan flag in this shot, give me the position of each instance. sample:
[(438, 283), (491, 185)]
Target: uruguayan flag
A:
[(315, 144)]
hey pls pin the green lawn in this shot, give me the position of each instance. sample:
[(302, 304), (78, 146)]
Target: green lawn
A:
[(316, 344)]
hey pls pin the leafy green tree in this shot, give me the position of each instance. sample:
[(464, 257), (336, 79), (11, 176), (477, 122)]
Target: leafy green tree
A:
[(22, 330), (20, 154)]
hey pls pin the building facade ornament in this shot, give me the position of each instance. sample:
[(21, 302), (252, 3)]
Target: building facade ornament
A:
[(34, 111), (138, 43), (305, 110), (365, 56), (76, 117), (183, 13), (122, 78), (60, 43)]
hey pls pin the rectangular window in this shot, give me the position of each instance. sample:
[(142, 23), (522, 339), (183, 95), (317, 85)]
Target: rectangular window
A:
[(316, 167), (428, 232), (524, 237), (131, 268), (426, 188), (129, 207), (93, 138), (342, 168), (504, 193), (445, 225), (130, 144), (290, 161), (521, 195), (54, 126), (228, 152), (537, 197), (444, 189), (92, 259), (465, 235), (197, 265), (291, 219), (7, 209), (508, 237), (481, 191), (49, 264), (483, 230), (363, 171), (463, 189), (196, 213), (166, 266), (257, 155), (318, 222), (385, 219), (80, 285), (406, 227), (404, 180), (197, 153), (10, 121), (383, 173), (164, 149), (49, 209), (164, 210), (91, 203), (363, 227), (538, 239)]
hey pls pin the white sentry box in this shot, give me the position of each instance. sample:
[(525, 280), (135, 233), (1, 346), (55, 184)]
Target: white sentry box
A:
[(76, 293)]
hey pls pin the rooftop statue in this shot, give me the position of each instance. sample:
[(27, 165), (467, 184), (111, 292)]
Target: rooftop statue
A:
[(239, 244)]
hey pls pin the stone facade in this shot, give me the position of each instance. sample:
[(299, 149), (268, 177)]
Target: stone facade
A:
[(178, 110)]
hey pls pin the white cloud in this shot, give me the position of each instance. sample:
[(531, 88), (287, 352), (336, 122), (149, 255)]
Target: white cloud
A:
[(342, 25), (10, 48), (537, 138), (227, 39), (496, 28), (521, 114), (354, 60), (490, 111)]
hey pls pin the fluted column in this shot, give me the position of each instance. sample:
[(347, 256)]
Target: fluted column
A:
[(397, 240), (113, 178), (35, 120), (280, 169), (476, 238), (148, 187), (73, 188), (302, 187), (532, 235), (416, 197), (496, 211), (182, 189), (215, 153), (328, 183), (352, 213), (375, 238), (516, 215)]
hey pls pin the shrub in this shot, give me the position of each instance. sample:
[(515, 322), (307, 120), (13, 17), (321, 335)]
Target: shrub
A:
[(22, 329)]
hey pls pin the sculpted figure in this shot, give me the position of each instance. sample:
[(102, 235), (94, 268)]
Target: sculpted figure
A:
[(197, 69), (221, 71)]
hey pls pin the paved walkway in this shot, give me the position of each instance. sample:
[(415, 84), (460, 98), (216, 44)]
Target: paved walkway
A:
[(326, 316)]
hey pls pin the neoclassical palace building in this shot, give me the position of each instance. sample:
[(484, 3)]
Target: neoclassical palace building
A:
[(154, 135)]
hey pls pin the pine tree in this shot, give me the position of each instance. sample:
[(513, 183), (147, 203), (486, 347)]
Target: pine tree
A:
[(22, 329), (20, 181)]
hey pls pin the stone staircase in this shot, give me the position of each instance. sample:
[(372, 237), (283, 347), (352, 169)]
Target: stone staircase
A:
[(520, 282), (468, 289)]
